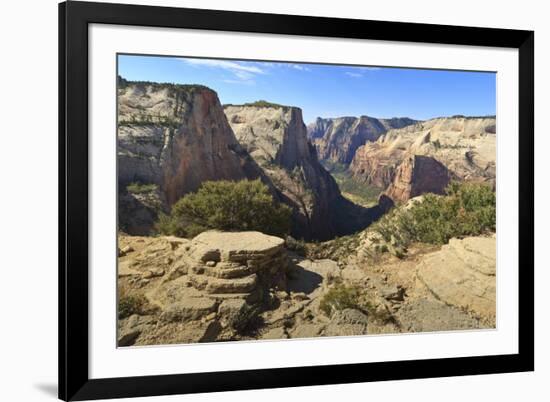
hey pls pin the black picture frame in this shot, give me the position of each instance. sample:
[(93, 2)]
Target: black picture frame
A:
[(74, 18)]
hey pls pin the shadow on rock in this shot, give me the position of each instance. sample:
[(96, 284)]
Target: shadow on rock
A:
[(303, 281)]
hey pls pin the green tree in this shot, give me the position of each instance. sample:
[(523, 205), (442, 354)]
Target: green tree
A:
[(227, 205)]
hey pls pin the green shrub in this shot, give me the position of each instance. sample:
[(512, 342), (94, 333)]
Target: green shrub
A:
[(140, 188), (298, 246), (339, 298), (337, 249), (468, 209), (229, 206), (261, 104)]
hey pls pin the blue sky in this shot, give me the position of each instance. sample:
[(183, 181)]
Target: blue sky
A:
[(327, 90)]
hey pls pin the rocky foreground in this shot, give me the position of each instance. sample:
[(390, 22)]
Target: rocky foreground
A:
[(224, 286)]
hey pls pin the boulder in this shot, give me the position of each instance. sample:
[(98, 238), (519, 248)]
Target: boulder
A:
[(231, 307), (235, 285), (394, 293), (307, 330), (191, 308), (130, 329), (275, 333), (347, 322), (428, 315), (462, 274)]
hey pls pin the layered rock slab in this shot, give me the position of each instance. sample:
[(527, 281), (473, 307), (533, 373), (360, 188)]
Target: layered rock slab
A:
[(463, 274), (240, 264), (187, 281)]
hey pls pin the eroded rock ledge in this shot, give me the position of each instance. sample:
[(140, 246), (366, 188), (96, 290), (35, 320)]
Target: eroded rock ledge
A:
[(223, 286)]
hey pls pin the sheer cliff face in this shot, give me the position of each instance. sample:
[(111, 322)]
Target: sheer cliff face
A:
[(465, 147), (276, 138), (176, 136), (337, 140), (417, 175)]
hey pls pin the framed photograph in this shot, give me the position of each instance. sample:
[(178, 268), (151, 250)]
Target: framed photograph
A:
[(258, 201)]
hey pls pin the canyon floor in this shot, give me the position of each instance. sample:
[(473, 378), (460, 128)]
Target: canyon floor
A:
[(243, 286)]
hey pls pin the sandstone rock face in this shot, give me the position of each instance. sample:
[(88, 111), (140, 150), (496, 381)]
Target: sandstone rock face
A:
[(417, 175), (236, 263), (337, 139), (276, 137), (465, 146), (176, 136), (463, 274)]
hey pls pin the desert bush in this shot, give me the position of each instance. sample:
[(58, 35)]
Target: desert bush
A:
[(298, 246), (131, 304), (338, 249), (140, 188), (339, 298), (227, 205), (246, 320), (468, 209)]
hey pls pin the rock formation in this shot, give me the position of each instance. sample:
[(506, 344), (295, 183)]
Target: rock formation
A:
[(247, 285), (239, 263), (465, 146), (417, 175), (223, 286), (276, 137), (463, 274), (336, 140), (176, 137)]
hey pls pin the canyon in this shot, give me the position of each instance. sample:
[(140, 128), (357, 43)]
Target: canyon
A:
[(337, 139), (276, 138), (346, 268), (175, 137), (463, 146)]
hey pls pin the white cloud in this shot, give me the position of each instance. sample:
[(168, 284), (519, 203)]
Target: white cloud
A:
[(360, 71), (240, 82), (299, 67), (243, 73)]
